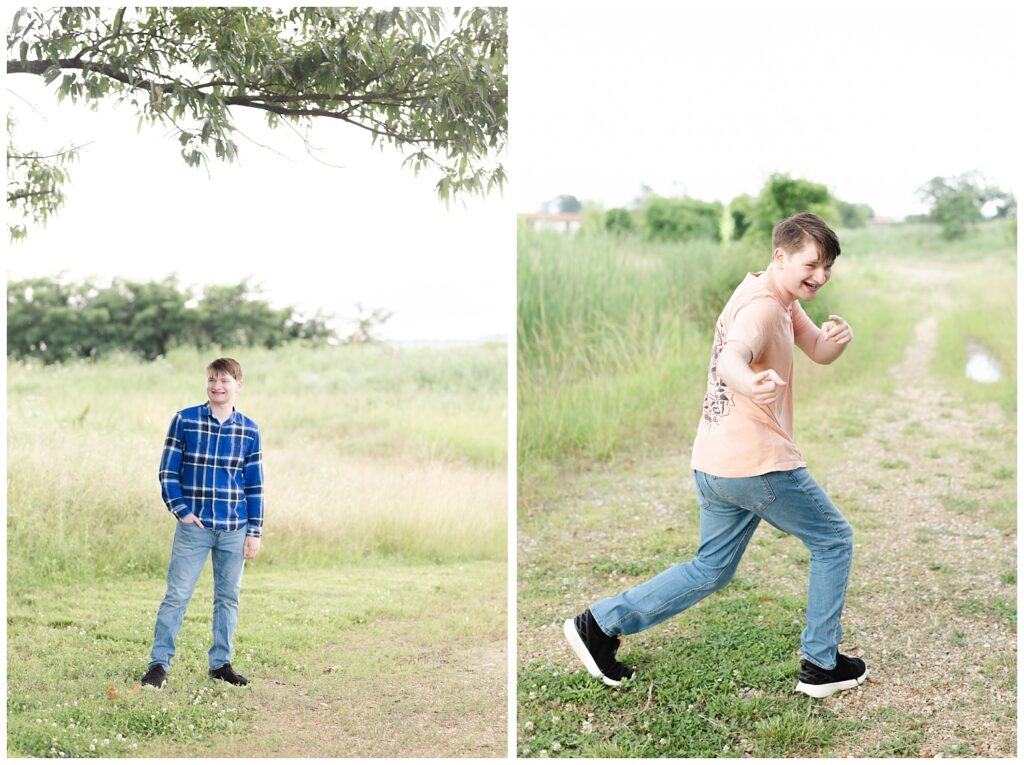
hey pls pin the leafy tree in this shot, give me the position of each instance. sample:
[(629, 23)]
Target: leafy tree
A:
[(741, 210), (429, 81), (54, 321), (682, 218), (956, 202), (783, 196), (955, 211), (619, 220), (41, 320), (34, 182), (566, 203), (854, 215)]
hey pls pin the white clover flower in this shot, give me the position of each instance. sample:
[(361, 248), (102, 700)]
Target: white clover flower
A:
[(555, 746)]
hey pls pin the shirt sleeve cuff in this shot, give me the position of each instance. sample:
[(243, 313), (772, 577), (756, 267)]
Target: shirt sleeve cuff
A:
[(254, 531), (181, 511)]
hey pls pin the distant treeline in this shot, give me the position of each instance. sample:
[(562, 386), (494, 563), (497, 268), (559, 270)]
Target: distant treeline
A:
[(684, 218), (955, 203), (56, 321)]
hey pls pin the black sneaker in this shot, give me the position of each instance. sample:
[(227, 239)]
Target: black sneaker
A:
[(819, 683), (595, 649), (155, 677), (228, 675)]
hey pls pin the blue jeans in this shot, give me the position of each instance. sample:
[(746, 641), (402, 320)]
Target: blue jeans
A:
[(191, 547), (730, 509)]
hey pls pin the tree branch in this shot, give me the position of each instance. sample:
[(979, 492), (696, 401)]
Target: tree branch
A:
[(25, 194), (49, 156)]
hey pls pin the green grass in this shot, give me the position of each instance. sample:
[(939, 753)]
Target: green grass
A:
[(383, 556), (985, 316), (369, 451), (613, 337), (75, 655), (924, 240), (727, 702), (581, 429)]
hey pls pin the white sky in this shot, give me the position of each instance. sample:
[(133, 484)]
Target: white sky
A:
[(314, 236), (708, 98)]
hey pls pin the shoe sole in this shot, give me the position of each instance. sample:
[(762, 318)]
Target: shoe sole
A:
[(148, 687), (827, 689), (578, 647)]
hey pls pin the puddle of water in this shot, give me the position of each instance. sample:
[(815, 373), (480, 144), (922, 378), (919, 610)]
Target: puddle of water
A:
[(982, 366)]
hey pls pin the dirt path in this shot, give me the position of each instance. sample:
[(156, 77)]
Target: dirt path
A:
[(930, 490), (932, 566), (442, 705)]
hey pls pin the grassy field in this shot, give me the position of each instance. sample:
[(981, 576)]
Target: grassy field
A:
[(919, 459), (383, 558)]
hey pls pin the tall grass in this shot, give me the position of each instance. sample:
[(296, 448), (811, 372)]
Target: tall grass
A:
[(369, 451), (613, 337)]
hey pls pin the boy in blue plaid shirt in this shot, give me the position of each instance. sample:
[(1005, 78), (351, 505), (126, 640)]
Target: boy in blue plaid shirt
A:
[(211, 478)]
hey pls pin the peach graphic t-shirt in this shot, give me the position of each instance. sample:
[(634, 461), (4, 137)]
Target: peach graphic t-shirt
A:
[(736, 437)]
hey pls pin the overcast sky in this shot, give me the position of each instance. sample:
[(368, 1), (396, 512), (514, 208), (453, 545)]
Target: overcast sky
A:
[(707, 99), (315, 236)]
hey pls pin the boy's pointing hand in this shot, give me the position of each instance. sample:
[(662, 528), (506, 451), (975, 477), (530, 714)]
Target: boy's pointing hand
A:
[(837, 330), (764, 387)]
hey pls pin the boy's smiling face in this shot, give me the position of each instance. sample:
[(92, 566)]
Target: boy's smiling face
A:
[(222, 388), (801, 273)]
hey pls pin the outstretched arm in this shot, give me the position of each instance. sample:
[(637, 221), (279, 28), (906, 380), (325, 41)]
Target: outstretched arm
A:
[(734, 369)]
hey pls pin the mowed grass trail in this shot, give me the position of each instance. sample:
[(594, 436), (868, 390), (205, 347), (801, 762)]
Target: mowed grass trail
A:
[(371, 659), (922, 463), (373, 622)]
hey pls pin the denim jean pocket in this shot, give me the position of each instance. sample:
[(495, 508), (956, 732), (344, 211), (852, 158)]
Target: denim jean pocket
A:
[(702, 499), (753, 494)]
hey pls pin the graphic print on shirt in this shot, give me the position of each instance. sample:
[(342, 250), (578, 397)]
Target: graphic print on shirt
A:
[(717, 401)]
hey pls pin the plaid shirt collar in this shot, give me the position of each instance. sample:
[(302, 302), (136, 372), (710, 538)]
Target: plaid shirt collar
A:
[(207, 411)]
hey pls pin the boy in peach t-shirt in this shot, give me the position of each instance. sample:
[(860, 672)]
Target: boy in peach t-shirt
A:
[(747, 468)]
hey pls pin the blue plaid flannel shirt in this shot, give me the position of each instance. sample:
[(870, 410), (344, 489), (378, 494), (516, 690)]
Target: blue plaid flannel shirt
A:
[(214, 470)]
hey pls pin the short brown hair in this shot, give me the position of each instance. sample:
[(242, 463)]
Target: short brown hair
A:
[(792, 233), (225, 365)]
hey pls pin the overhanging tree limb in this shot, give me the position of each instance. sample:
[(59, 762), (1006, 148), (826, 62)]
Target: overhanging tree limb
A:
[(424, 79)]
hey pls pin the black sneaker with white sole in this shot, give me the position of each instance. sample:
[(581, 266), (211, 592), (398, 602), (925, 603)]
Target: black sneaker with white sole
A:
[(155, 677), (849, 672), (228, 675), (595, 649)]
